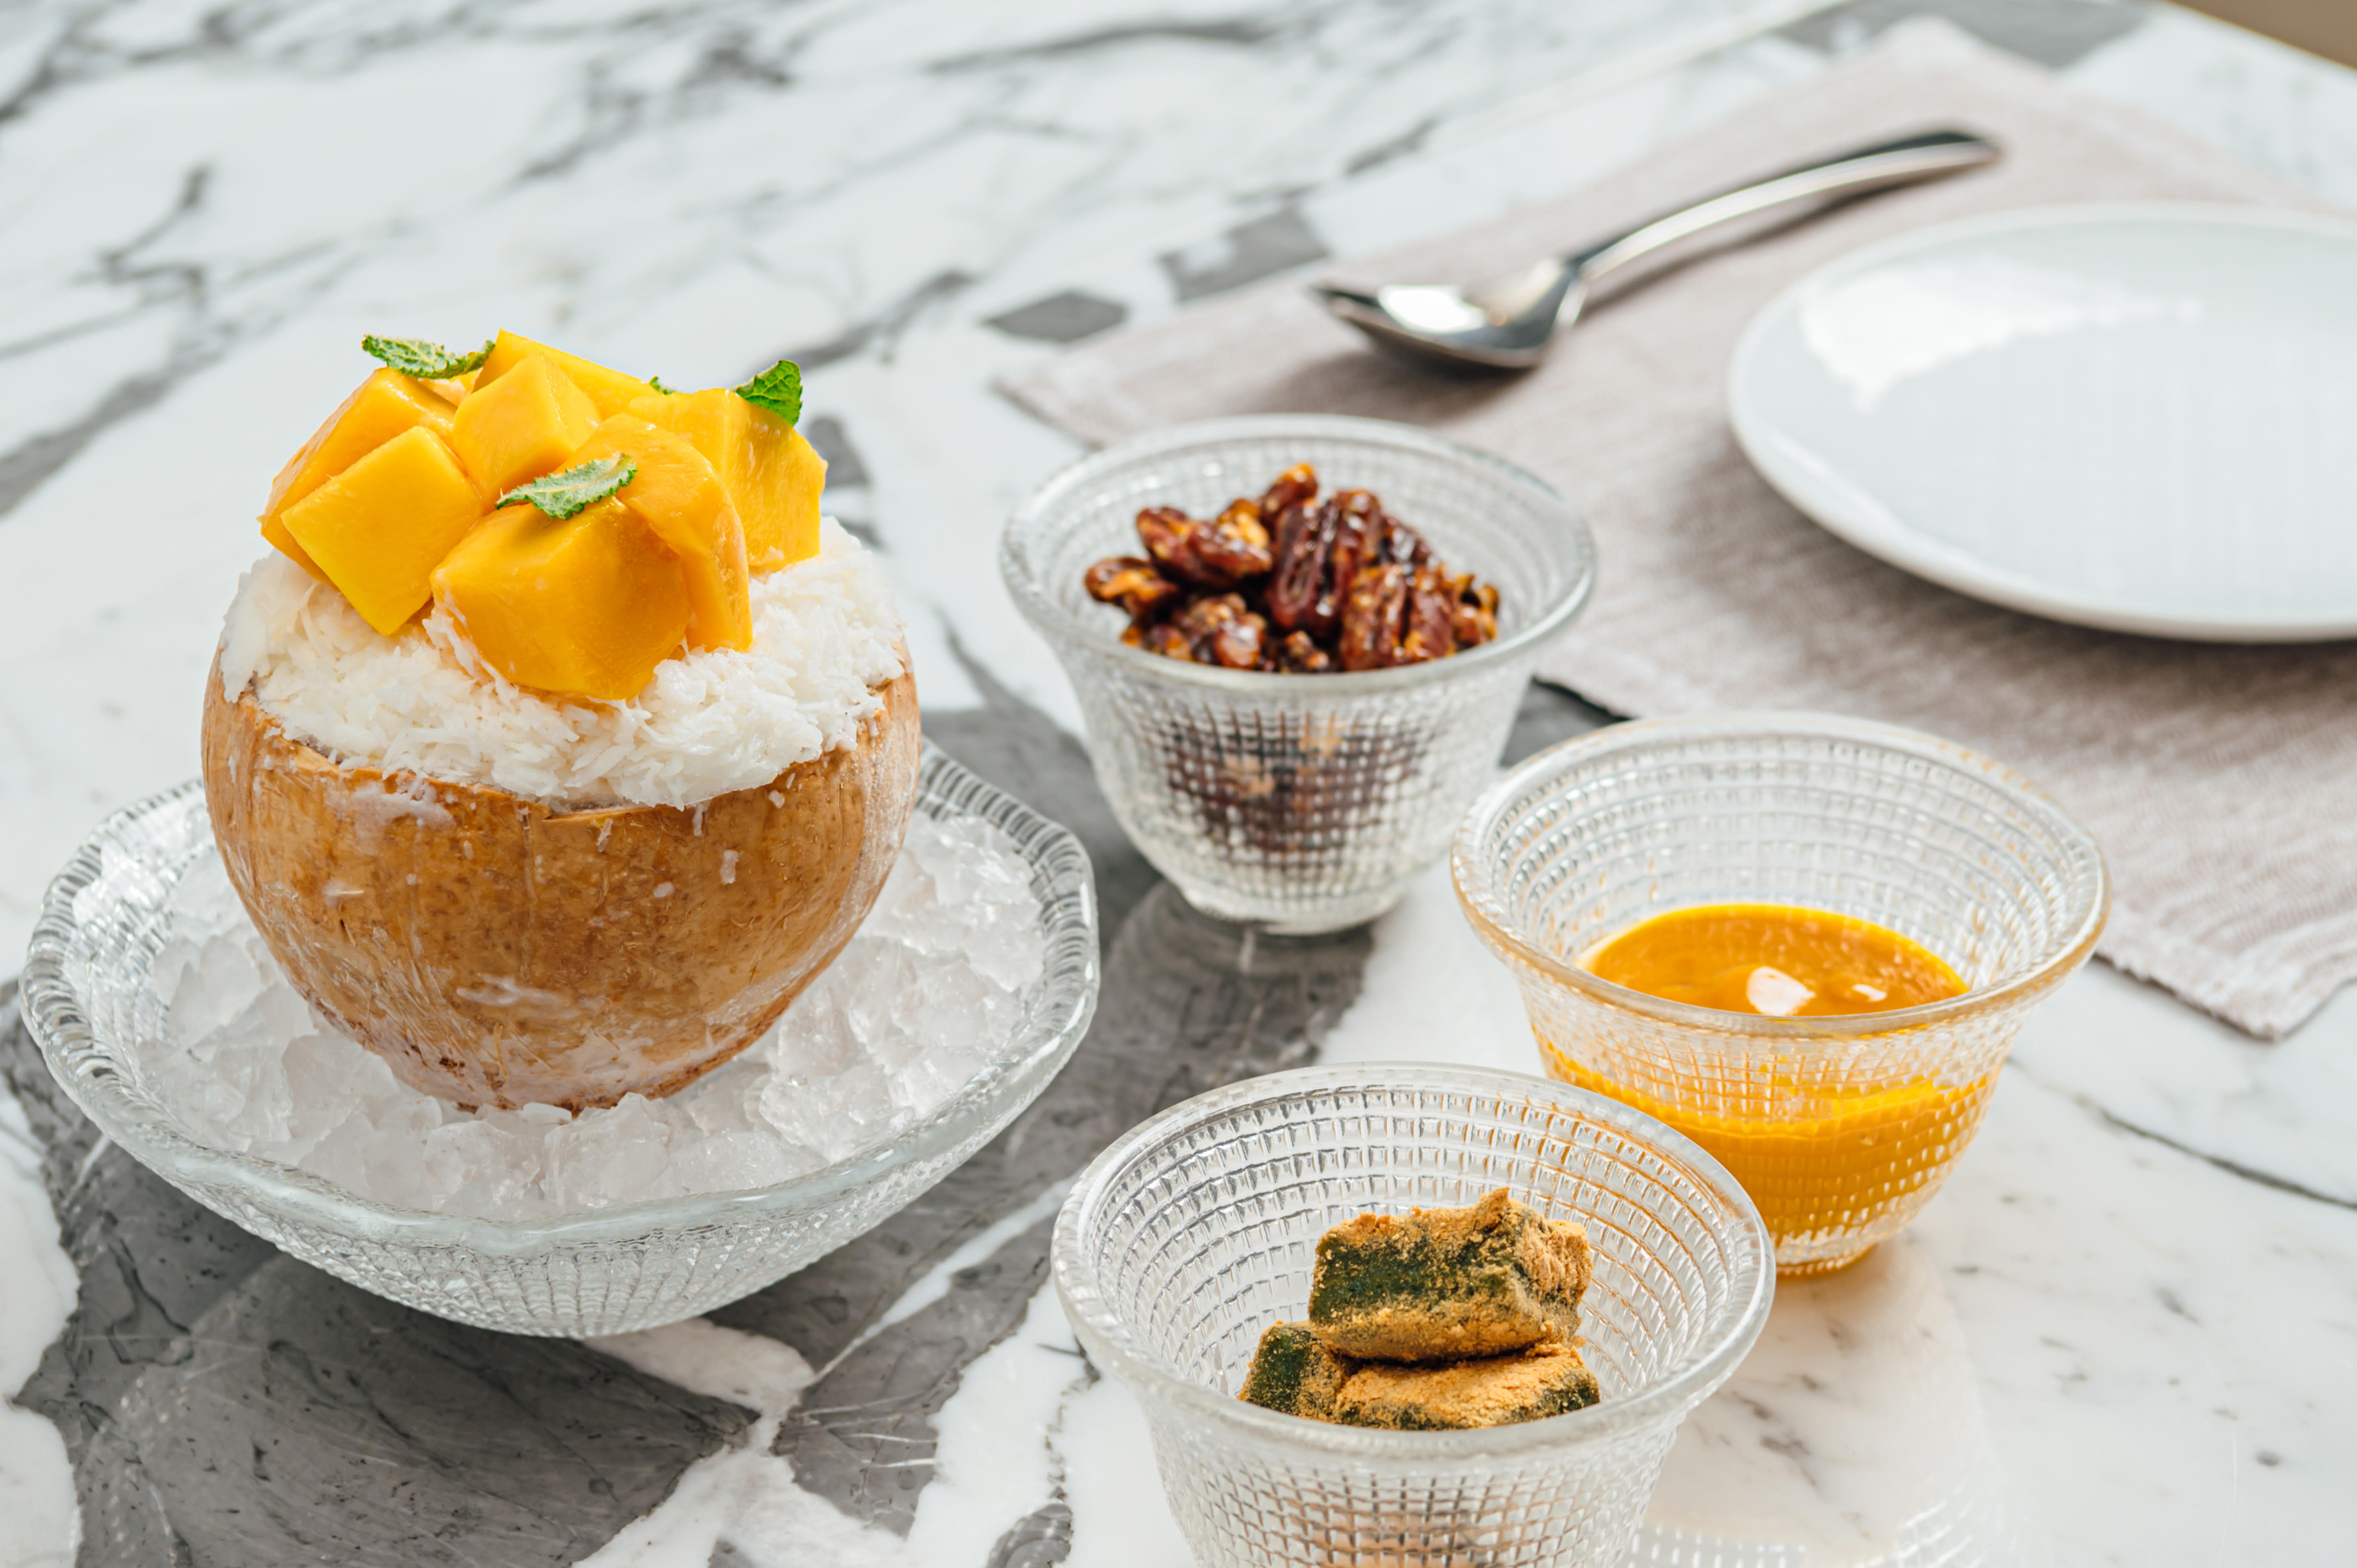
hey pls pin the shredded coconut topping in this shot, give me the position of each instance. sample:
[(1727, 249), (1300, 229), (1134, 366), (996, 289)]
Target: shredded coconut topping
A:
[(824, 642)]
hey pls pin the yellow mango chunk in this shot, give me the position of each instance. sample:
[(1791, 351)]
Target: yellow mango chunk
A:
[(521, 426), (384, 405), (611, 391), (377, 530), (587, 607), (773, 477), (676, 493)]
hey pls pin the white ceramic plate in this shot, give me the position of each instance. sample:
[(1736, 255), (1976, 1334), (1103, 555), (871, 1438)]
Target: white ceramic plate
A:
[(2140, 417)]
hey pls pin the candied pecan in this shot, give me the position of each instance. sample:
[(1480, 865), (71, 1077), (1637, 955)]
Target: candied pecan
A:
[(1239, 543), (1223, 630), (1296, 595), (1475, 611), (1164, 531), (1356, 514), (1238, 644), (1217, 555), (1163, 638), (1298, 486), (1132, 583), (1289, 581), (1390, 540), (1431, 619), (1372, 617), (1299, 654)]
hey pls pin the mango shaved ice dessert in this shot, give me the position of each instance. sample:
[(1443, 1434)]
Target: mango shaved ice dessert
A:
[(560, 742)]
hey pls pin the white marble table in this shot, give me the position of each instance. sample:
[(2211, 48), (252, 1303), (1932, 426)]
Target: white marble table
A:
[(2123, 1333)]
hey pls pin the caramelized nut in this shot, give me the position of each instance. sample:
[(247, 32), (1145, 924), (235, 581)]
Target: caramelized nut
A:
[(1286, 581)]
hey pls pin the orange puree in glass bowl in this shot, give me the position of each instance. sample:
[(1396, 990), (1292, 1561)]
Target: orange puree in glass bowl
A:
[(1822, 1157), (1773, 959)]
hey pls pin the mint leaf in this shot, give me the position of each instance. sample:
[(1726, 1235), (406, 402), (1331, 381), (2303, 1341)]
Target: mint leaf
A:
[(428, 361), (777, 389), (574, 490), (656, 382)]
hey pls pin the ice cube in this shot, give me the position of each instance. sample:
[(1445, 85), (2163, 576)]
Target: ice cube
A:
[(472, 1151), (837, 1116), (608, 1156), (737, 1162), (1008, 947), (219, 984)]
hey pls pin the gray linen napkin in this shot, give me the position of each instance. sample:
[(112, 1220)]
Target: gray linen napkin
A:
[(2222, 781)]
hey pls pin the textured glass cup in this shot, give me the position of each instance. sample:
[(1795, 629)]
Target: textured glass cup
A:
[(1196, 1230), (1841, 1128), (1298, 802), (607, 1270)]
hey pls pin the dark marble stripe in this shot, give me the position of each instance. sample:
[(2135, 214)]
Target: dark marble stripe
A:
[(1039, 1539), (1392, 148), (1065, 317), (882, 329), (1269, 244)]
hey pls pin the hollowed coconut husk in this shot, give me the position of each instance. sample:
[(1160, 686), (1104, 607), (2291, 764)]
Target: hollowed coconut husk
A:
[(495, 952)]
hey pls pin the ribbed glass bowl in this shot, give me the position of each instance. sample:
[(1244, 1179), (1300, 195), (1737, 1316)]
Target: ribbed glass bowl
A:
[(1198, 1229), (1841, 1128), (87, 1000), (1299, 802)]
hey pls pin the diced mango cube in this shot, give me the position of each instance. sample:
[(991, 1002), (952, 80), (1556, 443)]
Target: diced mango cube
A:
[(384, 405), (773, 477), (521, 426), (676, 492), (377, 530), (587, 607), (611, 391)]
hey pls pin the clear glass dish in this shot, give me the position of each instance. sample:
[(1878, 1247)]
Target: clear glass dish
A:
[(1302, 804), (1841, 1128), (1196, 1230), (86, 998)]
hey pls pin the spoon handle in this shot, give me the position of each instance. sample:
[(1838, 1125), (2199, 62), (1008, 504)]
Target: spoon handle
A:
[(1887, 164)]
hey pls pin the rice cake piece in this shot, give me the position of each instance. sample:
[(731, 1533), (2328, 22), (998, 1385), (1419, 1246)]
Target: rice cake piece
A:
[(1293, 1373), (1548, 1379), (1445, 1284)]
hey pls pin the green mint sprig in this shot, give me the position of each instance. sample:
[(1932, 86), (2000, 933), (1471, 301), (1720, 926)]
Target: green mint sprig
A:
[(428, 361), (569, 493), (656, 382), (777, 389)]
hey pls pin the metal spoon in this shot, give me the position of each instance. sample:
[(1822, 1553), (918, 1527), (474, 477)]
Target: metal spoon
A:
[(1507, 322)]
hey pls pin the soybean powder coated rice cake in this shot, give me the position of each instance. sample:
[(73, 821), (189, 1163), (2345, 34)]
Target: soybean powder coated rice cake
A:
[(1449, 1283)]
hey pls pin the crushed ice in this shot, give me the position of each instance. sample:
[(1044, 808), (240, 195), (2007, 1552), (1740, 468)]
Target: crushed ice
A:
[(925, 996)]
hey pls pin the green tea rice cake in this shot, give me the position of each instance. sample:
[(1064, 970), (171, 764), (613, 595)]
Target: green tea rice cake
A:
[(1293, 1373), (1443, 1285), (1548, 1379)]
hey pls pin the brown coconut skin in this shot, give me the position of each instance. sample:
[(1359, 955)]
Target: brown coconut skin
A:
[(495, 952)]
